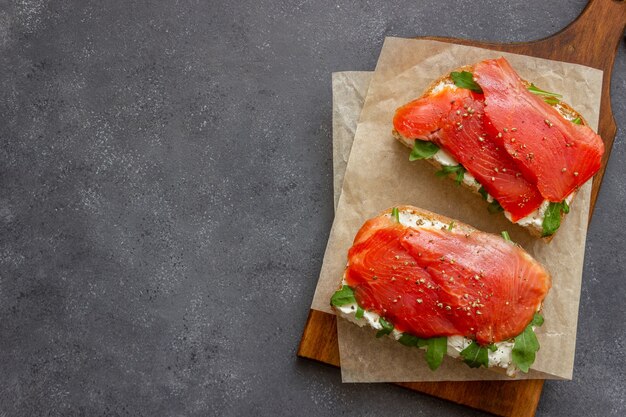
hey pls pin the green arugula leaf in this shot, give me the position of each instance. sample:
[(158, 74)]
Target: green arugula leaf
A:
[(494, 207), (423, 150), (447, 170), (342, 297), (395, 214), (475, 355), (465, 79), (537, 320), (552, 217), (359, 312), (451, 225), (387, 328), (533, 89), (436, 348), (492, 347), (483, 192), (526, 345), (412, 341), (551, 100), (577, 121), (505, 236)]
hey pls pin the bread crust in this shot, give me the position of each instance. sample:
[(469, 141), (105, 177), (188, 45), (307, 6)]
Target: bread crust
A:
[(564, 110)]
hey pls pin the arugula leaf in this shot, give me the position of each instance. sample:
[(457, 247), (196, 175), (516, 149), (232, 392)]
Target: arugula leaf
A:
[(483, 192), (411, 341), (395, 214), (436, 348), (505, 236), (342, 297), (552, 217), (475, 355), (494, 207), (551, 100), (447, 170), (565, 207), (387, 328), (492, 347), (526, 345), (451, 225), (577, 121), (537, 320), (359, 312), (533, 89), (422, 150), (465, 79)]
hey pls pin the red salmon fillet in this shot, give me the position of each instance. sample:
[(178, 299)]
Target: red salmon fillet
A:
[(430, 282), (454, 120), (553, 153)]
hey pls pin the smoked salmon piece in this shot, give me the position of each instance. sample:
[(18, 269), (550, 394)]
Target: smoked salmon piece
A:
[(555, 154), (430, 281), (453, 119)]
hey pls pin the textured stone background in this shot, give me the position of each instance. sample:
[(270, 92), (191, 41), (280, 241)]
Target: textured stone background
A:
[(166, 197)]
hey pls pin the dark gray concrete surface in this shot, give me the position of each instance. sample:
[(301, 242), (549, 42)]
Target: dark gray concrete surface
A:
[(166, 196)]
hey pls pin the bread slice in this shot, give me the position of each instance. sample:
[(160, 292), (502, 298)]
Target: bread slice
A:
[(534, 225), (500, 359)]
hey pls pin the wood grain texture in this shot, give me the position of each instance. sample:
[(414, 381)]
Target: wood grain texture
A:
[(591, 40)]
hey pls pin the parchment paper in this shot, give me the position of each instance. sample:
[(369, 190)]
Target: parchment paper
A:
[(378, 175)]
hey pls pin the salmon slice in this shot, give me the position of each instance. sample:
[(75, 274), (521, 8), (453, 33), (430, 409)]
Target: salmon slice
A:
[(431, 282), (553, 153), (386, 279), (454, 120)]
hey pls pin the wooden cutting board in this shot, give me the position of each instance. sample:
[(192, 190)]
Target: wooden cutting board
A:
[(591, 40)]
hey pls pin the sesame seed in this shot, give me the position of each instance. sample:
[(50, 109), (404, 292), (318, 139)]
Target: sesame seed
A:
[(481, 139), (493, 179), (458, 112), (478, 312), (496, 169), (512, 140), (465, 115), (513, 129), (548, 122), (448, 308), (563, 169), (575, 173), (420, 301), (505, 130), (499, 134), (503, 169)]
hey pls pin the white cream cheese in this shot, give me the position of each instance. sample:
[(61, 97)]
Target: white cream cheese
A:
[(501, 357)]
